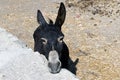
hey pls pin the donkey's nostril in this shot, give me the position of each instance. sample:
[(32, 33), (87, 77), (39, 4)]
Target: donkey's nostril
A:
[(54, 67)]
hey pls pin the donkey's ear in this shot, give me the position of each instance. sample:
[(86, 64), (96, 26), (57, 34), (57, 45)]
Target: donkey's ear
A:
[(61, 15), (40, 18)]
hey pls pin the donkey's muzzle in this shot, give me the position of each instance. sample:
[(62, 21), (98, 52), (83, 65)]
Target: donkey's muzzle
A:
[(54, 63), (54, 67)]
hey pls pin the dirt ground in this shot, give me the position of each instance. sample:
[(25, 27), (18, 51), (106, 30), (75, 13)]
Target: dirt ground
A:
[(92, 31)]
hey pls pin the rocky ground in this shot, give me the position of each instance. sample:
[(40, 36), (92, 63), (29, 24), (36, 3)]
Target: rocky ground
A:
[(91, 29)]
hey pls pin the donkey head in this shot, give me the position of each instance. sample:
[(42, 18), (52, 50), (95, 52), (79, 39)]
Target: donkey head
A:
[(48, 39)]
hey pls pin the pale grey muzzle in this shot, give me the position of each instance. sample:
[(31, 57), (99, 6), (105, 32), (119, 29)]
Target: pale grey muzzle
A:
[(54, 63)]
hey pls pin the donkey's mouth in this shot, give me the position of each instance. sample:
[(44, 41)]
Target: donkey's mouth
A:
[(54, 63)]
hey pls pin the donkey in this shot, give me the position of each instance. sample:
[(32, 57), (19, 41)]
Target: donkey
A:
[(48, 40)]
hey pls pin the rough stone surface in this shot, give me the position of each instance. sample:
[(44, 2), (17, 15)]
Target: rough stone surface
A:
[(18, 62)]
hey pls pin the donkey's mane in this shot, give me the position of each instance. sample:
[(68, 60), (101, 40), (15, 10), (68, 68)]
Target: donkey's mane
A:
[(50, 21)]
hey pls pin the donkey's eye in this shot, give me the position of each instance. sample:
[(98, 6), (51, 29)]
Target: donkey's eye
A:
[(60, 39), (44, 40)]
